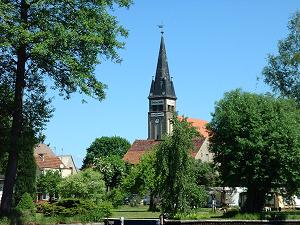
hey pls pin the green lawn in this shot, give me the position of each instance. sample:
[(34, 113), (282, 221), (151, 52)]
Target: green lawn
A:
[(137, 212)]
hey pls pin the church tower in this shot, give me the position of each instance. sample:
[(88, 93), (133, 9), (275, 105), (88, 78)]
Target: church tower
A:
[(162, 98)]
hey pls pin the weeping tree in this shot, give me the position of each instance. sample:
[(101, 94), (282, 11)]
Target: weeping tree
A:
[(176, 183), (60, 40)]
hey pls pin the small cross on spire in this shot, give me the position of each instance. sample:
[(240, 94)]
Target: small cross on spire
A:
[(161, 27)]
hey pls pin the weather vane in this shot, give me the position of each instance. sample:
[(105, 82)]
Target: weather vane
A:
[(161, 27)]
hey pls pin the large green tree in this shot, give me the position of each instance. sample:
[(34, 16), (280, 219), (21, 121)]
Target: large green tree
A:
[(87, 184), (256, 144), (48, 183), (282, 71), (60, 40), (175, 179), (112, 168), (36, 113), (105, 146), (141, 179)]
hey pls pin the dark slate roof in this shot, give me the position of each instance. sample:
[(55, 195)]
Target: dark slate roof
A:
[(162, 86)]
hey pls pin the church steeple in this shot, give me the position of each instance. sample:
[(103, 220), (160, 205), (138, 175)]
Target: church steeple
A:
[(162, 86), (162, 98)]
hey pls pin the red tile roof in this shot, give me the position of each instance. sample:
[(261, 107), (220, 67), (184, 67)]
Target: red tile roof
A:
[(45, 158), (51, 162), (140, 147), (137, 149), (199, 124)]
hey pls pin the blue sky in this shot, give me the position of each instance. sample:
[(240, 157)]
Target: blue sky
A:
[(212, 47)]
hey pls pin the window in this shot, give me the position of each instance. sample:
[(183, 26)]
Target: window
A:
[(42, 157)]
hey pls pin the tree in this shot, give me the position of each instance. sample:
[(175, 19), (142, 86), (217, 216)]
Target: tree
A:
[(173, 169), (141, 178), (60, 40), (87, 185), (35, 114), (256, 144), (112, 168), (206, 174), (105, 146), (282, 72), (48, 184)]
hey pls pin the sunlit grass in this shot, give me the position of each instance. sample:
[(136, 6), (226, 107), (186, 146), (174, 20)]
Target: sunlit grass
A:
[(136, 212)]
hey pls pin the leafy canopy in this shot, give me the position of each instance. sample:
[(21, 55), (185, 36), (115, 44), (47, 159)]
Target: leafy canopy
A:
[(87, 185), (112, 168), (58, 42), (63, 40), (176, 182), (256, 142), (282, 72), (105, 146), (48, 183)]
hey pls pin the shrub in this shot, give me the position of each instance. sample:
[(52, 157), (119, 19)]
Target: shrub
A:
[(26, 206), (86, 210), (116, 197)]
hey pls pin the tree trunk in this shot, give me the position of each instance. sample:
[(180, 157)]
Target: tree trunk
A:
[(255, 200), (153, 201), (17, 124)]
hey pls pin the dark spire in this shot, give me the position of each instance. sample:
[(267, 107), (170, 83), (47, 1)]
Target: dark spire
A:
[(162, 86)]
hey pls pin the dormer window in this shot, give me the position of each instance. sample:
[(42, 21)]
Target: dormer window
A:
[(42, 157)]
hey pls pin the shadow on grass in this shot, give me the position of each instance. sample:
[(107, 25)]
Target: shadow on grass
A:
[(235, 214)]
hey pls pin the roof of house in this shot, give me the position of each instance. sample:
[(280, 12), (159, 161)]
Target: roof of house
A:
[(140, 147), (137, 149), (68, 161), (45, 158), (199, 124)]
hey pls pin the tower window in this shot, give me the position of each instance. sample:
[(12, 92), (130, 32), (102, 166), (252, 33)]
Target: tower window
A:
[(170, 108)]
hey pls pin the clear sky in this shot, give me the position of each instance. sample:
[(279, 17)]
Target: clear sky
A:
[(212, 47)]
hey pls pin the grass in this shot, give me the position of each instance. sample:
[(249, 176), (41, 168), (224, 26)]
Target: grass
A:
[(137, 212), (141, 212)]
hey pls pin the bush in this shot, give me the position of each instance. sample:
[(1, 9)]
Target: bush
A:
[(116, 197), (85, 209), (26, 206)]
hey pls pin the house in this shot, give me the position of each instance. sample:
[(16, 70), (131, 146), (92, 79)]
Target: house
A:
[(46, 160), (162, 106)]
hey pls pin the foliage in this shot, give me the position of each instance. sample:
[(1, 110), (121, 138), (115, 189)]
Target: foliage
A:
[(112, 168), (205, 173), (173, 169), (116, 197), (282, 72), (105, 146), (256, 144), (26, 206), (87, 185), (87, 209), (59, 40), (141, 178), (48, 183)]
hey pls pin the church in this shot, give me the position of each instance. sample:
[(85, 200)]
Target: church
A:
[(162, 105)]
